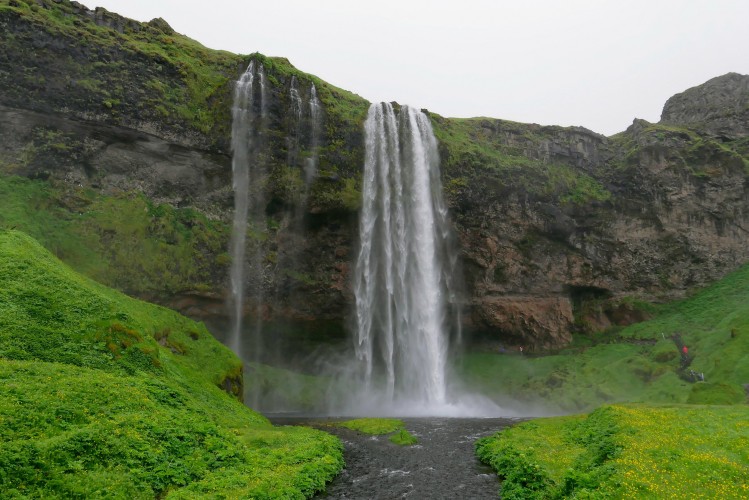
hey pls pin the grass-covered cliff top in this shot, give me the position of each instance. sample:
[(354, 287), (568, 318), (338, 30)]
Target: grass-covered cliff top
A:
[(632, 451), (63, 57), (102, 394), (486, 158)]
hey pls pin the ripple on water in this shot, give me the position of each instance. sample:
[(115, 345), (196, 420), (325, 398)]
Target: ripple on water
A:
[(441, 465)]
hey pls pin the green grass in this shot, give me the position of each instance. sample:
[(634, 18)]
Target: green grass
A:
[(120, 239), (403, 438), (381, 426), (104, 395), (639, 363), (625, 451), (374, 426)]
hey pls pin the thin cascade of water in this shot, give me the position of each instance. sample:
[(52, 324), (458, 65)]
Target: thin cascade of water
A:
[(315, 113), (242, 117), (402, 280), (296, 100), (295, 113), (248, 119)]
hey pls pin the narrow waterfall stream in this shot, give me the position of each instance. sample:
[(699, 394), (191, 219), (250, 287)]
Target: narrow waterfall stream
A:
[(249, 113), (241, 144)]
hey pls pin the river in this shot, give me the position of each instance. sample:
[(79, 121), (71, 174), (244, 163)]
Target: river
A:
[(442, 465)]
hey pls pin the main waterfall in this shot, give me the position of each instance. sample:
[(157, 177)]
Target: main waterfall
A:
[(403, 280)]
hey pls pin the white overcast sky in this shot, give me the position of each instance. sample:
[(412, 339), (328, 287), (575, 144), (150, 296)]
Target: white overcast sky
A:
[(595, 63)]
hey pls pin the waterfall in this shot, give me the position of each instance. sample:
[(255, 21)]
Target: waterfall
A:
[(315, 113), (295, 116), (247, 125), (403, 280), (296, 100)]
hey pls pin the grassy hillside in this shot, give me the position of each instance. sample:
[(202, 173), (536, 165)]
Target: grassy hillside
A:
[(107, 395), (120, 239), (631, 451), (639, 363)]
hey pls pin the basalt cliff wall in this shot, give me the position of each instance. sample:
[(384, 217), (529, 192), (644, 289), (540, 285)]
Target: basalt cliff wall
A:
[(116, 133)]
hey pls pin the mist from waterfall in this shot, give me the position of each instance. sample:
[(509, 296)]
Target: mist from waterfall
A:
[(403, 272), (249, 111)]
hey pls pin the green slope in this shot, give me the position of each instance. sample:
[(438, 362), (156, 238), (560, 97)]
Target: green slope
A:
[(102, 394), (639, 363), (632, 451), (120, 239)]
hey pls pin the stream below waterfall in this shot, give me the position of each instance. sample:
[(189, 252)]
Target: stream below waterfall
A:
[(442, 465)]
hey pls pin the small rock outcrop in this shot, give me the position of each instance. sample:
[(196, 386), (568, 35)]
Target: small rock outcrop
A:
[(719, 107)]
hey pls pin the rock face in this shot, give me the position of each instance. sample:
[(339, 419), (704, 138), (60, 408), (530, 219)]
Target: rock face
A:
[(719, 107), (110, 157), (676, 218), (560, 229)]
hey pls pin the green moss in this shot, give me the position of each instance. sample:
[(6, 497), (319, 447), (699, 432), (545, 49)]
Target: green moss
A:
[(403, 438), (475, 156), (375, 426), (193, 78), (106, 395), (122, 239), (381, 426)]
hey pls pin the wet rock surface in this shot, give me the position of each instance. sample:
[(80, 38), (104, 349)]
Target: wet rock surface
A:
[(442, 465)]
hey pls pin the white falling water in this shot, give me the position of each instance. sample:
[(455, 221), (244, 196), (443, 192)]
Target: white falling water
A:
[(296, 100), (295, 112), (315, 112), (402, 278), (245, 125)]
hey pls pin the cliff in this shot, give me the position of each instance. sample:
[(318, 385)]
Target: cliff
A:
[(116, 139)]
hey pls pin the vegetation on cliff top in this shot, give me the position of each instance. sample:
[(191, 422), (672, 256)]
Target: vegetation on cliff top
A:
[(103, 394), (180, 82), (639, 363), (625, 451), (136, 72), (500, 153)]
